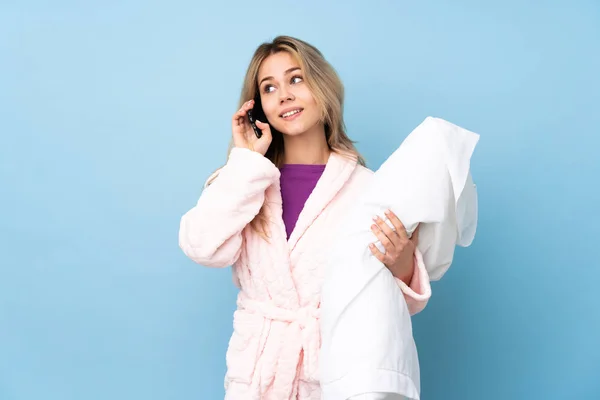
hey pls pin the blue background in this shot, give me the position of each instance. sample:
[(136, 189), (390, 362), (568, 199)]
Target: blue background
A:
[(113, 113)]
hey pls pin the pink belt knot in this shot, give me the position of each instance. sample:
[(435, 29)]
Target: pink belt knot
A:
[(302, 337)]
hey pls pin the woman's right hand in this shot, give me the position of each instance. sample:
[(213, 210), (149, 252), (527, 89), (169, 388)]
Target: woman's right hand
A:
[(243, 134)]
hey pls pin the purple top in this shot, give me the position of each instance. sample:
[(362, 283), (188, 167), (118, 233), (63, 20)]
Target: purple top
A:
[(297, 183)]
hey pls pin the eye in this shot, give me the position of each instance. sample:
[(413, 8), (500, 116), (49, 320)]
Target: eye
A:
[(296, 79), (267, 88)]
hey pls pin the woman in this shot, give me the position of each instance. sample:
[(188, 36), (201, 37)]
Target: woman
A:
[(271, 213)]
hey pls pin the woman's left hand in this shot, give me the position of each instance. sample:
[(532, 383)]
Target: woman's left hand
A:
[(399, 249)]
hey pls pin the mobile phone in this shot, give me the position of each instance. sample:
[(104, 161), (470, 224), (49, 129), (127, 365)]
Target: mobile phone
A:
[(256, 113), (252, 120)]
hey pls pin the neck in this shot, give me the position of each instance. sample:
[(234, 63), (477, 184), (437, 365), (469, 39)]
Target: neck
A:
[(308, 148)]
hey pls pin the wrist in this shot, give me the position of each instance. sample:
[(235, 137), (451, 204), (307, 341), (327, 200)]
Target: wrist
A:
[(407, 275)]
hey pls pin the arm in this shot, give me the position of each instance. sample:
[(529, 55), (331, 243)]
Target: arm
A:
[(418, 292), (404, 260), (211, 232)]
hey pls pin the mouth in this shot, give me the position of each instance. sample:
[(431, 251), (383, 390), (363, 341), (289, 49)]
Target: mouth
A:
[(291, 114)]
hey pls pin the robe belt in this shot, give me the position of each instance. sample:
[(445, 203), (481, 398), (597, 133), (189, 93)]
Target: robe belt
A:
[(302, 335)]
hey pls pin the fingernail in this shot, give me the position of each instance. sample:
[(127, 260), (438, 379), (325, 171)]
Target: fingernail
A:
[(376, 218), (387, 212)]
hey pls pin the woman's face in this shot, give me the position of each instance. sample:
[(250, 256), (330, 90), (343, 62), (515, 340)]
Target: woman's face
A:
[(286, 99)]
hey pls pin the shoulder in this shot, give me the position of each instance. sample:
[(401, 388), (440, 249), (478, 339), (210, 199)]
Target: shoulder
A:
[(361, 175), (356, 184), (363, 170)]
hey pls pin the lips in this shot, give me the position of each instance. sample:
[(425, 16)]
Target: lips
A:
[(290, 112)]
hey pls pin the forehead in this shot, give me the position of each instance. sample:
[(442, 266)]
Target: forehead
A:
[(276, 64)]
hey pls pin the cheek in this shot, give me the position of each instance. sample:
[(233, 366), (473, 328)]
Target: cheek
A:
[(307, 96), (309, 101), (270, 108)]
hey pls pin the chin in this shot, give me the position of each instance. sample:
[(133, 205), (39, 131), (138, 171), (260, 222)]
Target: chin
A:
[(292, 132), (296, 129)]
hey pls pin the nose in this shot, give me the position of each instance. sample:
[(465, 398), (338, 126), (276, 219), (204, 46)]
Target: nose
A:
[(285, 95)]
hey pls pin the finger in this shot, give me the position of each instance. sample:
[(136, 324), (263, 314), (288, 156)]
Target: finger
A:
[(264, 127), (400, 229), (389, 232), (379, 255), (242, 112), (240, 122), (383, 238)]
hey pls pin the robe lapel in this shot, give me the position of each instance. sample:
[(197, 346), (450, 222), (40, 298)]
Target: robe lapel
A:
[(337, 172)]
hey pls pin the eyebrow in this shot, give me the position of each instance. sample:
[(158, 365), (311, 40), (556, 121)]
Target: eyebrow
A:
[(289, 70)]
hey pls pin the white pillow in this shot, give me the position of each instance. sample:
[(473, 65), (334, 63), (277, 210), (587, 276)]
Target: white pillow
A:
[(366, 331), (427, 180)]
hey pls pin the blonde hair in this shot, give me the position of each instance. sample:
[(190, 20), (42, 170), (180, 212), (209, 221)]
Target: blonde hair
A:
[(327, 90)]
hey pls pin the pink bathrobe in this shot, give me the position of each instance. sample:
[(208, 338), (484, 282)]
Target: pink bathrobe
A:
[(273, 351)]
